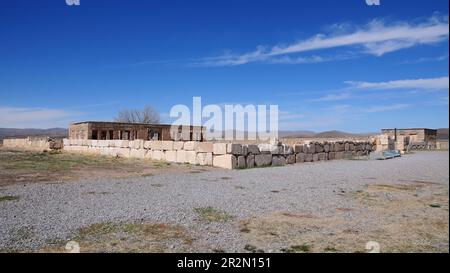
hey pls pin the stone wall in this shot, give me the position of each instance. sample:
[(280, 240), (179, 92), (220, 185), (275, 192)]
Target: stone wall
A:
[(223, 155), (33, 143)]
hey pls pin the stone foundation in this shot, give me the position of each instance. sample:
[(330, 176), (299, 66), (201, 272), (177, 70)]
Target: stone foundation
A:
[(222, 155), (38, 144)]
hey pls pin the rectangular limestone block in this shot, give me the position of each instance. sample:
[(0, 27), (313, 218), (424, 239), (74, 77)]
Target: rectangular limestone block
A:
[(190, 145), (66, 142), (298, 148), (263, 160), (205, 159), (227, 161), (278, 160), (331, 155), (315, 157), (322, 156), (250, 161), (290, 159), (178, 145), (300, 157), (219, 148), (191, 157), (287, 149), (158, 155), (163, 145), (319, 148), (204, 147), (241, 162), (308, 157), (147, 144), (235, 149), (170, 156), (123, 152), (253, 149), (339, 155), (138, 153), (311, 148)]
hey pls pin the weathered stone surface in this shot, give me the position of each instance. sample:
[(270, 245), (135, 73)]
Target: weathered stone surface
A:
[(331, 155), (66, 142), (137, 153), (187, 157), (147, 144), (308, 157), (170, 156), (278, 161), (319, 148), (290, 159), (123, 152), (205, 159), (219, 148), (158, 155), (227, 161), (241, 162), (269, 148), (204, 147), (315, 157), (300, 157), (253, 149), (346, 147), (190, 145), (287, 149), (250, 161), (161, 145), (311, 148), (235, 149), (244, 150), (178, 145), (322, 156), (298, 148), (263, 160), (326, 148)]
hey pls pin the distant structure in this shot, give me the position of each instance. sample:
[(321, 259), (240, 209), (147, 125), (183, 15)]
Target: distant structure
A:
[(100, 130), (414, 138)]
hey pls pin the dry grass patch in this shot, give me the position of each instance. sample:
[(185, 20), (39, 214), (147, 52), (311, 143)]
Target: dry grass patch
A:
[(211, 214), (401, 217), (130, 238), (9, 198)]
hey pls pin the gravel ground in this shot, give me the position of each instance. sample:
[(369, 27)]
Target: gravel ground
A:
[(47, 212)]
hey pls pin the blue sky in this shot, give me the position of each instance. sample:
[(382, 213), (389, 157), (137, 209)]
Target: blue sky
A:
[(327, 64)]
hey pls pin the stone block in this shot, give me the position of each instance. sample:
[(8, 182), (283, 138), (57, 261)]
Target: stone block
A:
[(290, 159), (66, 142), (319, 148), (331, 155), (219, 148), (287, 149), (205, 159), (298, 148), (235, 149), (262, 160), (138, 153), (204, 147), (253, 149), (147, 144), (315, 157), (250, 161), (163, 145), (300, 157), (308, 157), (178, 145), (189, 145), (158, 155), (322, 156), (227, 161), (311, 148), (270, 149), (123, 152), (326, 148), (278, 161), (170, 156), (241, 162)]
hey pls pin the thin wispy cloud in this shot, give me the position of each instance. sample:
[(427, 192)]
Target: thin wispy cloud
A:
[(384, 108), (377, 38), (441, 83), (440, 58), (334, 97)]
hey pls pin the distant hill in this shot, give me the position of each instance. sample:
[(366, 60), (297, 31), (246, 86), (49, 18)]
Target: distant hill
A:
[(19, 133), (442, 133), (326, 134)]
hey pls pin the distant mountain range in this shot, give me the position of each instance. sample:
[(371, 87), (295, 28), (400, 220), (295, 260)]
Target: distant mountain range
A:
[(62, 132), (19, 133)]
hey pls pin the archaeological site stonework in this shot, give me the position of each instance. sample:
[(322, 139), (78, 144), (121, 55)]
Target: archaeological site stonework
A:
[(222, 155)]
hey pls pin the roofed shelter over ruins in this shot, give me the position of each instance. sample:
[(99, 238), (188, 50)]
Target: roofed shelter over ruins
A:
[(100, 130)]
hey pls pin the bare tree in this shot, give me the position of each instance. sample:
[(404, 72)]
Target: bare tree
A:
[(146, 115)]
